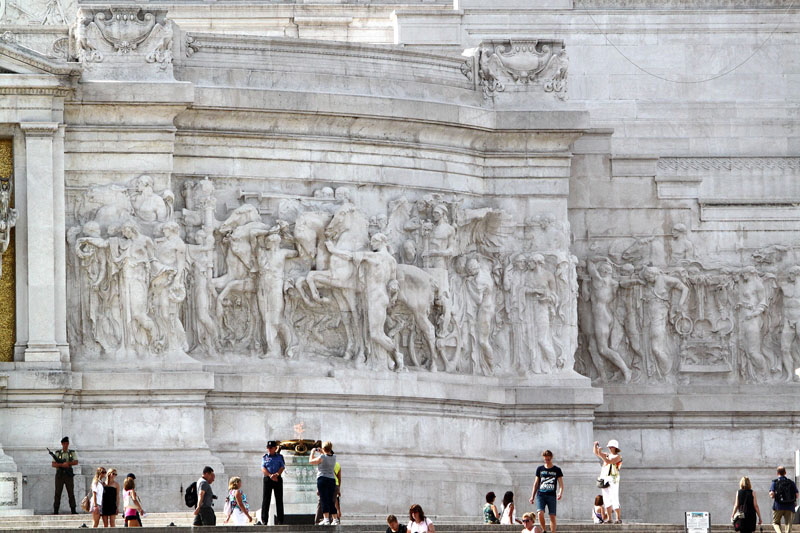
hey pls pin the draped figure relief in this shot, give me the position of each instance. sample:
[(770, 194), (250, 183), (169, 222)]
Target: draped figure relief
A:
[(688, 319)]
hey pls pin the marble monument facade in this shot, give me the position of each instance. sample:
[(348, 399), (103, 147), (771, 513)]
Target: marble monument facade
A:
[(426, 231)]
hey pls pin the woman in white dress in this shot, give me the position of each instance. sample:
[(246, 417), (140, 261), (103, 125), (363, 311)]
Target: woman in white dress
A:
[(509, 516), (236, 507), (612, 462)]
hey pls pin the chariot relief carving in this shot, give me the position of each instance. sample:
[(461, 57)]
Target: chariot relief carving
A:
[(422, 283)]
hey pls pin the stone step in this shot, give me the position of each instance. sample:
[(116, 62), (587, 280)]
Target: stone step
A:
[(159, 523)]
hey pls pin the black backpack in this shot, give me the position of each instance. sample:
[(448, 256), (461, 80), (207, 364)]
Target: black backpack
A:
[(784, 490), (191, 495)]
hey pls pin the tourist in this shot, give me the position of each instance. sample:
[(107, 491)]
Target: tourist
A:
[(784, 492), (63, 461), (204, 512), (528, 522), (418, 522), (612, 462), (508, 516), (394, 525), (132, 507), (272, 466), (547, 489), (325, 460), (236, 506), (747, 503), (96, 500), (599, 515), (109, 508), (337, 471), (490, 514)]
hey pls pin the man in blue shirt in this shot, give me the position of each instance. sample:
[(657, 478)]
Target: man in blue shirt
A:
[(272, 466), (784, 492), (547, 489)]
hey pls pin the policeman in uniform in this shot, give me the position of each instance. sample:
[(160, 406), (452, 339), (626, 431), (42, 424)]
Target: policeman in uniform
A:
[(64, 475)]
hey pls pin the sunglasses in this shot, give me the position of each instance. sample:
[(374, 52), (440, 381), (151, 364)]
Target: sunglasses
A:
[(526, 519)]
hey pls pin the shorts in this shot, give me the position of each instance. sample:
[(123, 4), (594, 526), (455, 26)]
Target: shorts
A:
[(611, 495), (777, 515), (546, 499), (135, 516)]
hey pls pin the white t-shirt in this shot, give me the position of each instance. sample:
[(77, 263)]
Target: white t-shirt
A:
[(97, 488), (419, 527)]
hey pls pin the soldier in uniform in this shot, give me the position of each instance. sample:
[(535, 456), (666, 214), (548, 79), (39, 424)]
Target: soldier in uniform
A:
[(64, 476)]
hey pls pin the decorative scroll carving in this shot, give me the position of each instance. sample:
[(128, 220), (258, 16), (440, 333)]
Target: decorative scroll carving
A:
[(425, 284), (520, 64), (643, 319), (8, 215), (119, 42)]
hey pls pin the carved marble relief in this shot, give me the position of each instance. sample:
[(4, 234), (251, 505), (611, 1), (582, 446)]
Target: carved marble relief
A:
[(656, 312), (8, 215), (425, 283), (40, 12), (519, 65), (127, 42)]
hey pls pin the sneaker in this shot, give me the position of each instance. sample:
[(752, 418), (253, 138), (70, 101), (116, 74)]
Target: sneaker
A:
[(325, 522), (335, 522)]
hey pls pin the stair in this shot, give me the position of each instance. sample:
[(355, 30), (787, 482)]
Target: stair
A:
[(159, 523)]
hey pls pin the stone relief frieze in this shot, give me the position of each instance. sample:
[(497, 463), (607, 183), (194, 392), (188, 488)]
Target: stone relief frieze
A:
[(425, 283), (659, 312), (519, 64), (8, 215), (41, 12)]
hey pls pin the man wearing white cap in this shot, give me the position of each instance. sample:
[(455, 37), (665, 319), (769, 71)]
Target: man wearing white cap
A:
[(612, 461)]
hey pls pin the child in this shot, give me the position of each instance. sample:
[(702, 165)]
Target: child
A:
[(394, 525), (599, 511)]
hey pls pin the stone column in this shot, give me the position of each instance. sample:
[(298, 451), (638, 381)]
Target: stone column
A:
[(40, 207)]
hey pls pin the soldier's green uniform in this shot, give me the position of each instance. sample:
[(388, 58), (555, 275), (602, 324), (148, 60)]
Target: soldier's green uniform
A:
[(65, 477)]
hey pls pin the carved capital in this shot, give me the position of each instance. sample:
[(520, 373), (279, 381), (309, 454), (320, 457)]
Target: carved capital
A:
[(39, 129), (520, 65)]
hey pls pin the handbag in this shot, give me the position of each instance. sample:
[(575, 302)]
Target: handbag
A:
[(602, 483), (85, 505), (738, 517)]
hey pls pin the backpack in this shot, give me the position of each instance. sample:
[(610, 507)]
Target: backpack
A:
[(784, 490), (228, 509), (191, 495)]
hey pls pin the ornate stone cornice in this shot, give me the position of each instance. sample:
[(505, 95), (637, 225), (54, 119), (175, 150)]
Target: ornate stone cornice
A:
[(36, 61), (716, 164)]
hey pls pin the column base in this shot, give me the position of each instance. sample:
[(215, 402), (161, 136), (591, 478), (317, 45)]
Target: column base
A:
[(42, 353)]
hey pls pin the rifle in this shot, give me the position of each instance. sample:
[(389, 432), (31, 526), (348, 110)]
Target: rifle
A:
[(68, 471)]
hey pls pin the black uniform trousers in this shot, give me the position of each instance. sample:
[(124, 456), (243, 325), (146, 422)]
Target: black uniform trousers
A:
[(266, 498), (63, 479)]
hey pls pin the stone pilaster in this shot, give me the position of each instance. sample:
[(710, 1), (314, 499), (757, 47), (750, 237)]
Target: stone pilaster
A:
[(41, 214)]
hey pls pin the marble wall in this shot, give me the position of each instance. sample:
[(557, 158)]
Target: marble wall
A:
[(488, 239)]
